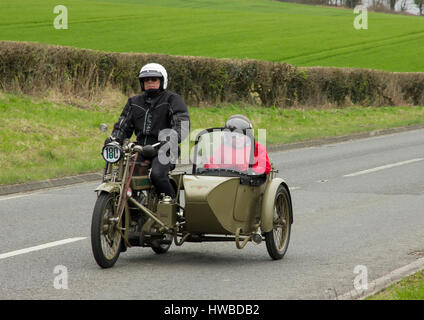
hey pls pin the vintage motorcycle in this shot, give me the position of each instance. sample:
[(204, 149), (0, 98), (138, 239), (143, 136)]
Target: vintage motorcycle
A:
[(213, 203)]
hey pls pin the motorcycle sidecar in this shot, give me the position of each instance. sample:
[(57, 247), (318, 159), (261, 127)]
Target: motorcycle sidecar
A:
[(227, 203)]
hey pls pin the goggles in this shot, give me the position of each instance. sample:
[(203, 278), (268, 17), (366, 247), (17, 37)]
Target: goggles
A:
[(151, 79)]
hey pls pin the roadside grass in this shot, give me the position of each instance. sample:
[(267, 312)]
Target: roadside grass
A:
[(292, 125), (410, 288), (302, 35), (41, 139)]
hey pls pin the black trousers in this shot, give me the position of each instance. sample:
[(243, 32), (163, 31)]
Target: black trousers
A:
[(159, 176), (160, 179)]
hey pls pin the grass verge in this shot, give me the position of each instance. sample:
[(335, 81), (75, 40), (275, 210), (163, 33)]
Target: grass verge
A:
[(41, 139), (410, 288)]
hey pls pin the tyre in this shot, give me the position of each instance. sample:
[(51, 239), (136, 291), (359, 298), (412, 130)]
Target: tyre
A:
[(105, 235), (277, 240)]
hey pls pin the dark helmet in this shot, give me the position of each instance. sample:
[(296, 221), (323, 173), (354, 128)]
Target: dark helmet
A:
[(238, 122), (152, 70)]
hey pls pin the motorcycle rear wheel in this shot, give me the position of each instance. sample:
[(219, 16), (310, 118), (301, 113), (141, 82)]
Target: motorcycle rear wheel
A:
[(105, 236)]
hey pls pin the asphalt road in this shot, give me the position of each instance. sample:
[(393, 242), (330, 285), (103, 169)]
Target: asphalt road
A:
[(357, 203)]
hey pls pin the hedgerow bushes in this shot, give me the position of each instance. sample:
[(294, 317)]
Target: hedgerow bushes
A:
[(34, 68)]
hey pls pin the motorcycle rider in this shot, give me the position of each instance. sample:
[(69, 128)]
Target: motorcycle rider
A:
[(231, 152), (150, 114)]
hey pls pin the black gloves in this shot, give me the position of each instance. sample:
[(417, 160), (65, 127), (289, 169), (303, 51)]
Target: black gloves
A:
[(111, 139), (149, 152)]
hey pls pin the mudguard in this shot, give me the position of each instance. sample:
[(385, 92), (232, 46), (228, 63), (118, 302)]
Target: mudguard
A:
[(109, 187), (267, 210)]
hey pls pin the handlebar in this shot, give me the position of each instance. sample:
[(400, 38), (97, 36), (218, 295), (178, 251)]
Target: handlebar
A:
[(133, 148)]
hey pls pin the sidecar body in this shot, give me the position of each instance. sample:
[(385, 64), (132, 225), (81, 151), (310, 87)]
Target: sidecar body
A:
[(227, 195)]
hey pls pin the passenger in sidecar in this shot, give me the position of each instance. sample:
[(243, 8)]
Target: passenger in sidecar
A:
[(235, 150)]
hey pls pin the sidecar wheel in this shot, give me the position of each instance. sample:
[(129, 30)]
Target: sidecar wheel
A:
[(162, 248), (105, 236), (277, 240)]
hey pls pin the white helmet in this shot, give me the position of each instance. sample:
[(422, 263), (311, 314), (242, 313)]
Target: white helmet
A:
[(154, 70), (238, 122)]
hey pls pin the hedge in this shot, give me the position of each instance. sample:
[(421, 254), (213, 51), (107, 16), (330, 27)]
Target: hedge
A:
[(35, 68)]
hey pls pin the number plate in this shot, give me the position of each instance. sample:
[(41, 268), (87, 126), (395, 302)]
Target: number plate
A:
[(112, 153)]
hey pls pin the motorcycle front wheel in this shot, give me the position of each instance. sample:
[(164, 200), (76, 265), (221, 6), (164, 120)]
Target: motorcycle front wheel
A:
[(105, 235)]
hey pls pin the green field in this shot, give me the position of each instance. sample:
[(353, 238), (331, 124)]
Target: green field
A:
[(258, 29)]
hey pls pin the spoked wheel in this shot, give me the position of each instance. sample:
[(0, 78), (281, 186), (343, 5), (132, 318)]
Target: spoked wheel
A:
[(277, 240), (105, 235)]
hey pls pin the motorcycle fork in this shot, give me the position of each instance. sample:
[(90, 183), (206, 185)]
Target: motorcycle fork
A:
[(122, 207)]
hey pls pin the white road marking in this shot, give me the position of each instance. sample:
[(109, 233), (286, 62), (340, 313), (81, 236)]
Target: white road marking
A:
[(383, 167), (44, 191), (14, 197), (40, 247)]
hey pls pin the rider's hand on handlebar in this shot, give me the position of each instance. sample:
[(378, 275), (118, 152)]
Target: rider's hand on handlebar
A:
[(112, 139), (149, 152), (109, 140)]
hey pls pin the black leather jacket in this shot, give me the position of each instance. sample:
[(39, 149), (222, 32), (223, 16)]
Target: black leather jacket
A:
[(146, 116)]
